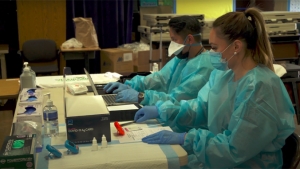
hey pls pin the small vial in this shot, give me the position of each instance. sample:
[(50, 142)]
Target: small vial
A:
[(94, 145), (104, 142)]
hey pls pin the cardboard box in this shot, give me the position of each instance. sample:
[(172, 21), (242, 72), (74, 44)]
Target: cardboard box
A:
[(30, 96), (141, 59), (87, 117), (116, 60), (18, 152), (27, 113)]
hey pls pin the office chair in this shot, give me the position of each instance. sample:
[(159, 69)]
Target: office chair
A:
[(42, 55), (290, 152)]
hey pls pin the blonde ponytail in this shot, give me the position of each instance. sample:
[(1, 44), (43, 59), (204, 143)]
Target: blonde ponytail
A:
[(263, 52)]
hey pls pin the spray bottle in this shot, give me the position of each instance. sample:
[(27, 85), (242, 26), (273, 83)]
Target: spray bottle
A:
[(50, 117), (26, 78)]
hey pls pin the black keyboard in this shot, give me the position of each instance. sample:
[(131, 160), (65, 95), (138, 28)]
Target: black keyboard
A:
[(109, 99)]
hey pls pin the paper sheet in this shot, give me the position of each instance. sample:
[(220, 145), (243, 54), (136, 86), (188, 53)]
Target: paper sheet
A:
[(137, 135), (122, 107)]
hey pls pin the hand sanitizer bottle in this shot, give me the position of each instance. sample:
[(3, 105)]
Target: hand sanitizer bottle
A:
[(32, 72), (50, 117), (26, 78)]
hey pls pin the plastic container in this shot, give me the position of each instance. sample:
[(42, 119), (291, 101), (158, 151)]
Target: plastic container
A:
[(50, 116), (32, 72), (26, 78), (155, 67), (94, 145), (104, 142)]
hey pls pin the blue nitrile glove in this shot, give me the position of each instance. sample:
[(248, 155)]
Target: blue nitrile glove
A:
[(145, 113), (165, 137), (115, 87), (128, 95)]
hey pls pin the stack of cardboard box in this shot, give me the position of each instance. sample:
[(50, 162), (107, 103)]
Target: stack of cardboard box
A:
[(122, 60)]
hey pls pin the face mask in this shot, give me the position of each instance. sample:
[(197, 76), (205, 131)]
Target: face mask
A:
[(176, 49), (217, 61)]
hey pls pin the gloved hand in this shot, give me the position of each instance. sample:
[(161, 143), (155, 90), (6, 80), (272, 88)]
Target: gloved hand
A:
[(115, 87), (128, 95), (165, 137), (145, 113)]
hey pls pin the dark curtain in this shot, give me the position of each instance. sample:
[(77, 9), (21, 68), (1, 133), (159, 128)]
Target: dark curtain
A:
[(9, 35), (112, 20)]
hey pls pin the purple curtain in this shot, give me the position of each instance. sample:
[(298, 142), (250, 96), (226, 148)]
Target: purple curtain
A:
[(112, 20)]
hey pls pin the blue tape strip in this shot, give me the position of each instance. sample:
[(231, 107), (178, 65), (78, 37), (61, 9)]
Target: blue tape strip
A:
[(174, 6), (234, 5), (172, 157), (42, 162)]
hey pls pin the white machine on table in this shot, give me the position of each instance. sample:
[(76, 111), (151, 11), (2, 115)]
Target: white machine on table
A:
[(280, 23), (206, 28), (281, 17)]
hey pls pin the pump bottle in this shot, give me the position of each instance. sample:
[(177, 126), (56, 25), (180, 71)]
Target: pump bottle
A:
[(50, 116), (26, 78), (32, 72)]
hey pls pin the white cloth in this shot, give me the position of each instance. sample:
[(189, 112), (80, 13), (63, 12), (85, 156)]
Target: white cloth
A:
[(279, 70), (71, 43)]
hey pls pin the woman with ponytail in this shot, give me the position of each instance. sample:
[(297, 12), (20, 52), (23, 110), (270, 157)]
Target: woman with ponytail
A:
[(243, 115)]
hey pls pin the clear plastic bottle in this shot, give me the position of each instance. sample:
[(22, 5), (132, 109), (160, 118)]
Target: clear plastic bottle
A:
[(32, 72), (155, 67), (26, 78), (103, 142), (50, 116)]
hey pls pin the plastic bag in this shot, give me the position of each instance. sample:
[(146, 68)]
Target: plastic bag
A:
[(85, 32), (136, 46), (71, 43), (28, 128)]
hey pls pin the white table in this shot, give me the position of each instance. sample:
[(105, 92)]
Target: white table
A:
[(115, 156), (57, 81), (3, 51)]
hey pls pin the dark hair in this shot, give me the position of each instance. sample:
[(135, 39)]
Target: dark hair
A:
[(248, 26), (185, 25)]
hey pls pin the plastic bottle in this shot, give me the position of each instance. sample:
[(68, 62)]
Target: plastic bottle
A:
[(155, 67), (94, 145), (104, 142), (50, 117), (26, 78), (32, 72)]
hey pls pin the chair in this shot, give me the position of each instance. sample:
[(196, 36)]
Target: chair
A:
[(42, 55), (290, 152)]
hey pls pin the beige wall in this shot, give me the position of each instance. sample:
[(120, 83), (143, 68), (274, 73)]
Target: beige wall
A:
[(42, 19)]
